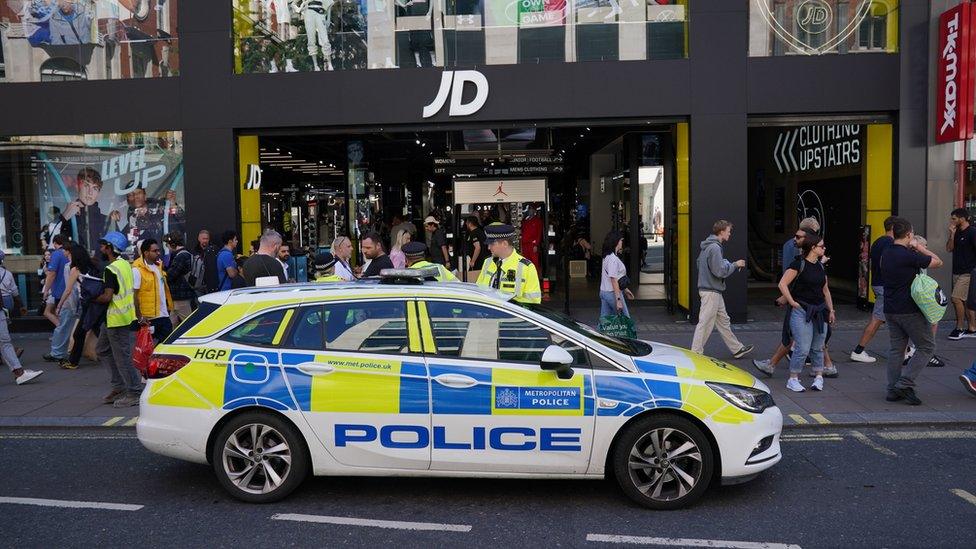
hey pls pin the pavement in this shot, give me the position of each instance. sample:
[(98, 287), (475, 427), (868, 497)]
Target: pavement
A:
[(835, 487), (66, 398)]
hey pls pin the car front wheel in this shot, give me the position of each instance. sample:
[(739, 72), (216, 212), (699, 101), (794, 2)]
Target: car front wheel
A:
[(259, 458), (663, 462)]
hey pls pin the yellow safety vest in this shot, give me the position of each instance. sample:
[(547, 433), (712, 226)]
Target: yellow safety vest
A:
[(517, 276), (443, 275), (330, 278), (122, 308)]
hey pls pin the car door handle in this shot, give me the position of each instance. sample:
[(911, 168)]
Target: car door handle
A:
[(316, 368), (456, 381)]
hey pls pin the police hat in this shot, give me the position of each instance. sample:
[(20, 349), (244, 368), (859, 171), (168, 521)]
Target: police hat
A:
[(499, 231), (324, 261), (414, 250)]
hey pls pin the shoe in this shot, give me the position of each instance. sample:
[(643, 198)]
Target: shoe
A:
[(126, 401), (51, 358), (956, 334), (28, 376), (743, 351), (909, 395), (936, 362), (113, 396), (969, 334), (794, 385), (830, 372), (67, 365), (764, 366), (909, 354), (969, 383), (893, 397), (817, 384), (863, 356)]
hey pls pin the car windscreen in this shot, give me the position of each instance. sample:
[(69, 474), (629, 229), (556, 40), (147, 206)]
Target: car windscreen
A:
[(629, 347)]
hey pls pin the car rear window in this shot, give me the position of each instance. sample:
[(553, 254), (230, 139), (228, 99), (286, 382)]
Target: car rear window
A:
[(202, 312)]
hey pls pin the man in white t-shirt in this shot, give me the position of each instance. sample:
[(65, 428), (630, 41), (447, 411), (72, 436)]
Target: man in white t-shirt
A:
[(152, 298)]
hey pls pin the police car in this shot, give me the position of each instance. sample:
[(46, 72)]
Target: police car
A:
[(269, 385)]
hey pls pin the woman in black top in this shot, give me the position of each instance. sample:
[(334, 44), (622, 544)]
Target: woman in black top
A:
[(804, 287)]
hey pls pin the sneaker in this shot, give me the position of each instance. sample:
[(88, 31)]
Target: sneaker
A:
[(969, 383), (113, 396), (956, 334), (126, 401), (794, 385), (969, 334), (936, 362), (863, 356), (764, 366), (67, 365), (909, 395), (28, 376), (817, 384), (743, 351), (51, 358), (830, 372), (893, 396)]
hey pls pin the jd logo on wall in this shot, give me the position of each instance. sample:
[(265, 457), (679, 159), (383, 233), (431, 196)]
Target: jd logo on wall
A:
[(813, 27)]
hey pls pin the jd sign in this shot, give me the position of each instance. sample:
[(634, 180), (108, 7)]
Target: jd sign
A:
[(816, 19)]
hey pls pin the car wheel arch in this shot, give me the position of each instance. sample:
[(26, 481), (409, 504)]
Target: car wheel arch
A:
[(227, 418)]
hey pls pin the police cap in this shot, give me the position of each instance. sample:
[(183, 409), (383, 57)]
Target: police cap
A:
[(324, 261), (499, 231), (414, 250)]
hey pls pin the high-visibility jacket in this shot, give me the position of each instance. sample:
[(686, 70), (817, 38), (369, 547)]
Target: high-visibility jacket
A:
[(443, 275), (147, 296), (122, 308), (330, 278), (514, 275)]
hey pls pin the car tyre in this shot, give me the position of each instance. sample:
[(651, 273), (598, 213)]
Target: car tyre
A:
[(663, 462), (259, 457)]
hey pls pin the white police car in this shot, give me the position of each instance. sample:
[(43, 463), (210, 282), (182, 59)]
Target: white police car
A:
[(443, 379)]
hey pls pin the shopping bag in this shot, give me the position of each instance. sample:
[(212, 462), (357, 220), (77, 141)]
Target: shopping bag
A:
[(929, 297), (143, 350), (618, 325)]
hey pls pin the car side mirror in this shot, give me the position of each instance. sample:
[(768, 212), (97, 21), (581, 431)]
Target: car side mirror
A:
[(558, 360)]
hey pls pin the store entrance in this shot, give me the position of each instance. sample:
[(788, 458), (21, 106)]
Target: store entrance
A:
[(563, 188)]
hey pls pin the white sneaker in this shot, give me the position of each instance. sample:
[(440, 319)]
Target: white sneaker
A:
[(28, 376), (817, 384), (863, 356), (794, 385), (764, 366), (910, 352)]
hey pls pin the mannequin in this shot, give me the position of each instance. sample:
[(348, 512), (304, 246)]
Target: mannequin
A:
[(532, 236), (317, 15)]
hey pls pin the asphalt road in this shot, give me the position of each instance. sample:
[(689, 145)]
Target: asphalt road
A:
[(906, 487)]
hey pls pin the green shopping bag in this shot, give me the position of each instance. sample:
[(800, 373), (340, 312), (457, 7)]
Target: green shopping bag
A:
[(618, 325), (929, 297)]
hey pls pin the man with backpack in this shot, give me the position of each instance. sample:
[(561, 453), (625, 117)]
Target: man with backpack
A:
[(901, 263), (177, 274)]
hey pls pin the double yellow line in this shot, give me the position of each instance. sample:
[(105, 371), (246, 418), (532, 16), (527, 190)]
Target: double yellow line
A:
[(115, 421)]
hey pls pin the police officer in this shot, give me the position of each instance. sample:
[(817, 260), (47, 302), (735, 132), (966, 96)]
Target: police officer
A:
[(325, 268), (506, 270), (415, 254)]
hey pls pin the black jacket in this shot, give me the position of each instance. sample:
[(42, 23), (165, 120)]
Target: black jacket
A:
[(179, 268)]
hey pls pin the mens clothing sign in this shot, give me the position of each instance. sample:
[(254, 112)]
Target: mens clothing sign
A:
[(956, 75), (481, 191)]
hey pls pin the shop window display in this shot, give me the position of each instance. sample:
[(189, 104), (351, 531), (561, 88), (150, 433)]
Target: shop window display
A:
[(815, 27), (57, 40), (310, 35)]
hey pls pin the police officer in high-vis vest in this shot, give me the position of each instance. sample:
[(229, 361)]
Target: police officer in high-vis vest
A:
[(506, 270), (325, 268), (115, 339), (415, 254)]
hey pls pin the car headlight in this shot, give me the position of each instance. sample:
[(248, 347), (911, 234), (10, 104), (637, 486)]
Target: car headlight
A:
[(747, 398)]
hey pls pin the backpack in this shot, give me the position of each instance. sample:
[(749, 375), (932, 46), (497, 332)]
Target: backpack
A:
[(929, 297), (195, 277)]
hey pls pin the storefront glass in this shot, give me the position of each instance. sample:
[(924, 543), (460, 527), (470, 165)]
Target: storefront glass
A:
[(81, 187), (62, 40), (814, 27), (307, 35)]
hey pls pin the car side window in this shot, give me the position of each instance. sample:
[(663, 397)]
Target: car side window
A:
[(467, 330), (259, 330), (366, 326)]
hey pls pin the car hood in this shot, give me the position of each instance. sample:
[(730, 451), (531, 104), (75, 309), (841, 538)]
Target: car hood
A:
[(675, 361)]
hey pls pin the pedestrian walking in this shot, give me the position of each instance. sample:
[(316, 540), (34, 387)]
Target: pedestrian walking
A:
[(153, 300), (962, 245), (900, 264), (859, 354), (506, 270), (177, 276), (935, 361), (436, 241), (342, 250), (9, 354), (475, 249), (805, 288), (264, 265), (81, 265), (713, 269), (115, 339), (396, 251), (53, 285), (613, 278)]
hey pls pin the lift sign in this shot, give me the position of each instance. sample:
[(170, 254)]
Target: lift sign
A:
[(507, 439)]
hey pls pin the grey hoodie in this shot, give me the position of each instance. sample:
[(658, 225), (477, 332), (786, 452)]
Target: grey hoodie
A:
[(713, 269)]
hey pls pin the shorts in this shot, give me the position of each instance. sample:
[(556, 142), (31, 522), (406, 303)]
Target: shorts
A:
[(878, 311), (960, 287)]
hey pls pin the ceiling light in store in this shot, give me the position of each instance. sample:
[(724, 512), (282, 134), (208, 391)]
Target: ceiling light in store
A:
[(417, 141), (423, 144)]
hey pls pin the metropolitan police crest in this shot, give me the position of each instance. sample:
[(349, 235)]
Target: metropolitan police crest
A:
[(506, 397)]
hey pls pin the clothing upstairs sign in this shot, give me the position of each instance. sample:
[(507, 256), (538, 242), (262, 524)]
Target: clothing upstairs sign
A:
[(956, 74)]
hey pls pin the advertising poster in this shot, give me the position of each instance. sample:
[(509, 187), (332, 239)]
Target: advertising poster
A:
[(136, 190)]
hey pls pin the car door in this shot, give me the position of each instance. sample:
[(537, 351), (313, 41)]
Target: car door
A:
[(358, 374), (494, 409)]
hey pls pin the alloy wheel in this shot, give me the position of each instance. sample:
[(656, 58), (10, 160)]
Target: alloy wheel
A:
[(665, 464), (257, 458)]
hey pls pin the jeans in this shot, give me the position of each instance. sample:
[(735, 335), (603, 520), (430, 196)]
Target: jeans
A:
[(901, 329), (713, 315), (608, 304), (115, 353), (7, 351), (62, 334), (807, 341)]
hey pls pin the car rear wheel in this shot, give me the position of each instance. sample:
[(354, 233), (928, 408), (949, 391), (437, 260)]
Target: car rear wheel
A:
[(259, 458), (663, 462)]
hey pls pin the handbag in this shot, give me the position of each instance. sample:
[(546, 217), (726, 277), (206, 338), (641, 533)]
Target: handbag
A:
[(623, 282), (143, 349), (618, 325)]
